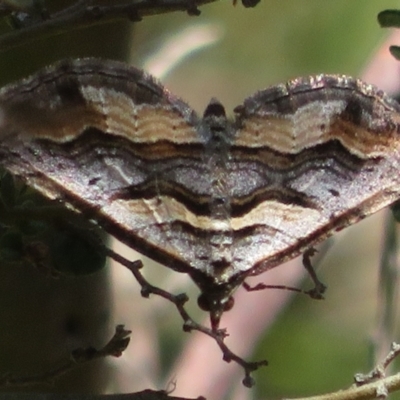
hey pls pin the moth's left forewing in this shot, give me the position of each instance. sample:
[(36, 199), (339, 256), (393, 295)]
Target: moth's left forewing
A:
[(104, 138), (325, 153)]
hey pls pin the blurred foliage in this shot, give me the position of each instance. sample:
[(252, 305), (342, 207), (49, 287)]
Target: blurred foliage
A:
[(271, 43)]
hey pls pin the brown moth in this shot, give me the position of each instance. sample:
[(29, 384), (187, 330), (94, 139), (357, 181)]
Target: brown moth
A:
[(218, 199)]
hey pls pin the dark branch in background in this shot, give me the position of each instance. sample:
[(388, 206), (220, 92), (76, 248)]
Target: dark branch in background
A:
[(86, 13), (189, 324), (118, 343)]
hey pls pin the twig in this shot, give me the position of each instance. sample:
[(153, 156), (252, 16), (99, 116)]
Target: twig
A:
[(370, 391), (379, 371), (114, 347), (189, 324)]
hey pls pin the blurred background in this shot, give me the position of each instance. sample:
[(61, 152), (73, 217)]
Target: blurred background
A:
[(229, 53)]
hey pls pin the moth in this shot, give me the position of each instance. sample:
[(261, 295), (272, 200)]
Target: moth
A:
[(219, 199)]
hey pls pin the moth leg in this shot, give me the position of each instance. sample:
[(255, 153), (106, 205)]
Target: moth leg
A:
[(315, 293), (263, 286), (319, 288)]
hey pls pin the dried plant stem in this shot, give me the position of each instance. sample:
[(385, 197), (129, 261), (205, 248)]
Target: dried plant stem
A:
[(374, 390), (189, 324)]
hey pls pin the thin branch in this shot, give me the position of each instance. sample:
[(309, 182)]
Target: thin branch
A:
[(189, 323), (379, 371), (370, 391), (114, 347), (86, 13)]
